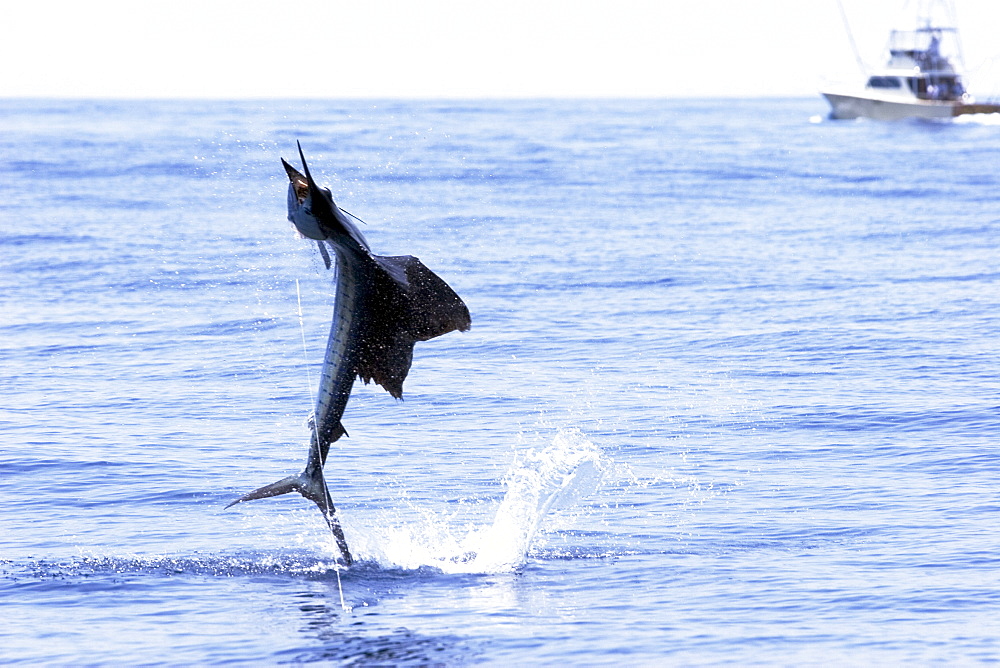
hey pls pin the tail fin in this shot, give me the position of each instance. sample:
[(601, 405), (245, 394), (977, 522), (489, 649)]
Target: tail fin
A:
[(310, 484), (292, 483)]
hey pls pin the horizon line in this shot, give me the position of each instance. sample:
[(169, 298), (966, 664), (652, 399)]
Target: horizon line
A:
[(408, 98)]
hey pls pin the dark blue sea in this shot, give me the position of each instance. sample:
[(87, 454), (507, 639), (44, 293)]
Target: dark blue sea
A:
[(731, 394)]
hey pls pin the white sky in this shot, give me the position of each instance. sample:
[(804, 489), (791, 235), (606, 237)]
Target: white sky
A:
[(453, 48)]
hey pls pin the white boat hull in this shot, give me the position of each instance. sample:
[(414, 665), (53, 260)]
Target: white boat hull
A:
[(856, 106)]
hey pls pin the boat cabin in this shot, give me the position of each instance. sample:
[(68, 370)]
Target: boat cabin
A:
[(921, 64)]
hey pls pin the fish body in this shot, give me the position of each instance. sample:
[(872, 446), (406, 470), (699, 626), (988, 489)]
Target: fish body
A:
[(383, 305)]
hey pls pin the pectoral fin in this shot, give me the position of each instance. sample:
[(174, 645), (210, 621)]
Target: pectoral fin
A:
[(325, 253)]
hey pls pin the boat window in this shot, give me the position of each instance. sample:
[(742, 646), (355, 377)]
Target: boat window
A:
[(884, 82)]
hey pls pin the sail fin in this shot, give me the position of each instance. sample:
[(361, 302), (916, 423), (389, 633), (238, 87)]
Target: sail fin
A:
[(409, 303)]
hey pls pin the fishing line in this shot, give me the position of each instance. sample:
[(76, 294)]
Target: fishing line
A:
[(353, 216), (340, 588), (305, 355), (312, 420)]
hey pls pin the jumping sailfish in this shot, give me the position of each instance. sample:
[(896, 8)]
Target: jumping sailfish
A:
[(383, 305)]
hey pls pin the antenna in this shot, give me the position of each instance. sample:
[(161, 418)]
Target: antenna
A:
[(850, 38)]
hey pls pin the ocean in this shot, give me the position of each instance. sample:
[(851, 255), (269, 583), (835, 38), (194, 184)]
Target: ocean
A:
[(731, 393)]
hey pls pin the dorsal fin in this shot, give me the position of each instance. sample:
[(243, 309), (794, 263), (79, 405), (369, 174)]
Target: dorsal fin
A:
[(435, 308), (423, 308)]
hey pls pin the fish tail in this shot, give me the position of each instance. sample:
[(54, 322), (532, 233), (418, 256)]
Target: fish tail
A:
[(310, 484), (292, 483)]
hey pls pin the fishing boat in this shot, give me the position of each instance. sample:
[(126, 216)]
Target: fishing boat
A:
[(922, 76)]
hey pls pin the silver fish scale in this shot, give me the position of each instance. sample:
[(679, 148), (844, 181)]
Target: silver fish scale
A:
[(337, 376)]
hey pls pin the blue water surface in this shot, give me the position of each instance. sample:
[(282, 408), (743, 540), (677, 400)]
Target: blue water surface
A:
[(780, 333)]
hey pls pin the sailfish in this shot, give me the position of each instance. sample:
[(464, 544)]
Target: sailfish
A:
[(383, 305)]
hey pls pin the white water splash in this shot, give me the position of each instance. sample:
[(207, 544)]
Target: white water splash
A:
[(977, 119), (537, 483)]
